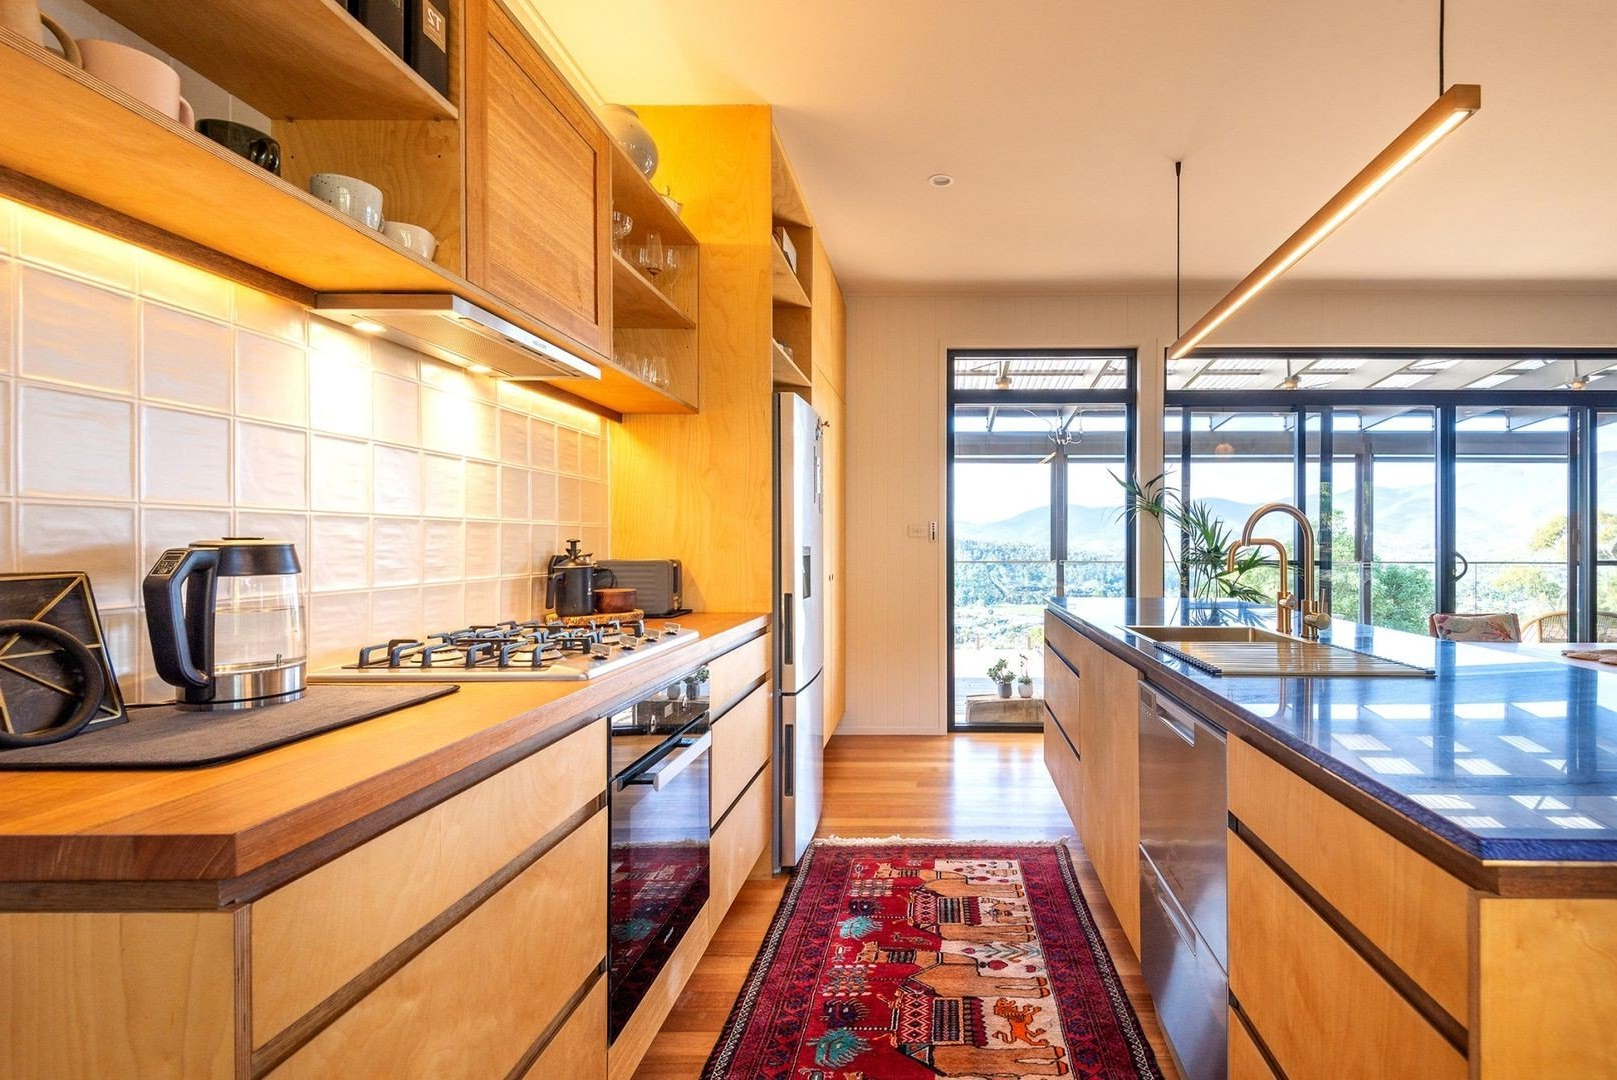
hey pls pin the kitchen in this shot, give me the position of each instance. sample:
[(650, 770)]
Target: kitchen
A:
[(483, 351)]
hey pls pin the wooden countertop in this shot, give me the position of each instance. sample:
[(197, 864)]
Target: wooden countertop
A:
[(213, 837)]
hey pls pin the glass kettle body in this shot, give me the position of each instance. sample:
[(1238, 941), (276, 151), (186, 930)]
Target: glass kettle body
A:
[(226, 622)]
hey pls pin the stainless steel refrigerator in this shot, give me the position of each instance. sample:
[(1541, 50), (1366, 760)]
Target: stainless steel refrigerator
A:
[(799, 625)]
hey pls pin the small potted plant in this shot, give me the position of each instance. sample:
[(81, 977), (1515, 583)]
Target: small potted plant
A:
[(1024, 681), (1000, 672), (696, 684)]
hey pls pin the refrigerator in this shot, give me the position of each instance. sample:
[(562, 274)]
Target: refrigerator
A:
[(799, 625)]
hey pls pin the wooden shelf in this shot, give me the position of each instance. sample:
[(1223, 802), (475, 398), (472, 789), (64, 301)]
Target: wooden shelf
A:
[(637, 304), (633, 194), (785, 197), (104, 149), (302, 59), (788, 290), (787, 373)]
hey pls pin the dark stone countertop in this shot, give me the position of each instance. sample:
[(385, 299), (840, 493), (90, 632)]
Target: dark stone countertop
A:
[(1506, 755)]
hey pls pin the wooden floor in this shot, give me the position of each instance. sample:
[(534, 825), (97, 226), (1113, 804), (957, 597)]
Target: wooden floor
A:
[(990, 786)]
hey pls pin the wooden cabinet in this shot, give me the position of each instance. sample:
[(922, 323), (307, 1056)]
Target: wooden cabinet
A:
[(1408, 908), (743, 739), (578, 1051), (740, 841), (1093, 698), (539, 184), (473, 1002), (1109, 743), (1320, 1008), (1246, 1061)]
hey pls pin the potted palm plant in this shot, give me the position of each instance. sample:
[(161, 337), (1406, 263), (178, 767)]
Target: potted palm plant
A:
[(1000, 672), (1204, 540)]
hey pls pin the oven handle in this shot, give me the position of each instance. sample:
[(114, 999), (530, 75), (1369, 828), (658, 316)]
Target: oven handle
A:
[(665, 771)]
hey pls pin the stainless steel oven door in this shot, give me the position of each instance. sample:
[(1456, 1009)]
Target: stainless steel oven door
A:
[(659, 862)]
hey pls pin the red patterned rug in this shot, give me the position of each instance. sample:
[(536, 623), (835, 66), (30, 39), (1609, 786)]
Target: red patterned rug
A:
[(898, 959)]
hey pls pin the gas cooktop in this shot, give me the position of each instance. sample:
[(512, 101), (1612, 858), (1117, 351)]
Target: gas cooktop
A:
[(512, 651)]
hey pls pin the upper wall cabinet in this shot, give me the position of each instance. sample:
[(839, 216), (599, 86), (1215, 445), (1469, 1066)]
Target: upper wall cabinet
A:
[(539, 184)]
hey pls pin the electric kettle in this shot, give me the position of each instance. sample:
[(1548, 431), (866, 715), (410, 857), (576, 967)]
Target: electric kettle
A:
[(226, 622), (570, 588)]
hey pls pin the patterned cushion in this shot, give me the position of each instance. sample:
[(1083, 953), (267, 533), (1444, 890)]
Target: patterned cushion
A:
[(1503, 626)]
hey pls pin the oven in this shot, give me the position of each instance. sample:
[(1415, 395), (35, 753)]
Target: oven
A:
[(659, 811)]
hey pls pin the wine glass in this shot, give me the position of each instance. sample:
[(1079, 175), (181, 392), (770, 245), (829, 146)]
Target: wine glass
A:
[(672, 262), (650, 255)]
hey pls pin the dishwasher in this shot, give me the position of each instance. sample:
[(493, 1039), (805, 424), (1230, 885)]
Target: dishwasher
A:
[(1184, 951)]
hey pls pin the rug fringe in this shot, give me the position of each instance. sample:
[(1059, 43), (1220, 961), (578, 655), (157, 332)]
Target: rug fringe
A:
[(900, 838)]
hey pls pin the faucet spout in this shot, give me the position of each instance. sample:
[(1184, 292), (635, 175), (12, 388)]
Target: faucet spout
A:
[(1314, 616), (1282, 593)]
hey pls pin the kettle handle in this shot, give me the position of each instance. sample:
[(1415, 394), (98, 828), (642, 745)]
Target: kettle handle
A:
[(552, 580), (181, 635)]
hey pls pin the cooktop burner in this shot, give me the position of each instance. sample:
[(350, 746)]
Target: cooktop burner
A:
[(513, 650)]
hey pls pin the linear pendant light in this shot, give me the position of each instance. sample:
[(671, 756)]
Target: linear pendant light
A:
[(1453, 108)]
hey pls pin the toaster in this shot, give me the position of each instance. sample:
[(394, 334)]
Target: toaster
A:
[(657, 583)]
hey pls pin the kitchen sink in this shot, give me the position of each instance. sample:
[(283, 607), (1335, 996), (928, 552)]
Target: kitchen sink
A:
[(1250, 650), (1220, 634)]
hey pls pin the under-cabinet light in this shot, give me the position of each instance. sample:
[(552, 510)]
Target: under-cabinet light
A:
[(366, 326), (1457, 105)]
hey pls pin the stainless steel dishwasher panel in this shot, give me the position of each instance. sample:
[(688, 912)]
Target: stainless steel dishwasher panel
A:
[(1183, 916)]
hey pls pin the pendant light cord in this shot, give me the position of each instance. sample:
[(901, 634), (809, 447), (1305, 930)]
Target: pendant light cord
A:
[(1178, 318), (1442, 36)]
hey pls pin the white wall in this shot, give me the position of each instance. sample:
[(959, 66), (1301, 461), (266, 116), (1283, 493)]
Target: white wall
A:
[(897, 347)]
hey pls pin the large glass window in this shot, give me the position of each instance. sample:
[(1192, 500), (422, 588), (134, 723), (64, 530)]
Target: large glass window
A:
[(1458, 482), (1038, 444)]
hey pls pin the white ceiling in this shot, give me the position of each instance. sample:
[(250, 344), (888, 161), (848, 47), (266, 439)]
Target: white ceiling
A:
[(1060, 120)]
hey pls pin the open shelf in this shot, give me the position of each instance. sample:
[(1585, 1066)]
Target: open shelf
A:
[(787, 289), (785, 197), (303, 59), (638, 304), (787, 373), (102, 147), (633, 194)]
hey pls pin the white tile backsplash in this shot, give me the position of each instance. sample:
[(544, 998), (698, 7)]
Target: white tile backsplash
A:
[(185, 359), (74, 445), (74, 332), (271, 380), (154, 404), (184, 457)]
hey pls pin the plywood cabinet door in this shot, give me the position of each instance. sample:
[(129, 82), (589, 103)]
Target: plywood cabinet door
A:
[(539, 186), (1109, 741)]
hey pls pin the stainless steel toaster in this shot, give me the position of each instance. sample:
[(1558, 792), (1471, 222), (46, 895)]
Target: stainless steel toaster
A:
[(657, 583)]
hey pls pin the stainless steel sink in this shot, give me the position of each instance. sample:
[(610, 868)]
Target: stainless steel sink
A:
[(1170, 634), (1250, 650)]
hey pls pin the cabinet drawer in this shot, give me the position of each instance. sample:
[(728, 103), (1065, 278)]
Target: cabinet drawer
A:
[(1319, 1007), (578, 1050), (1246, 1060), (734, 673), (739, 841), (1061, 688), (473, 1002), (1410, 909), (314, 935), (741, 744), (1064, 768)]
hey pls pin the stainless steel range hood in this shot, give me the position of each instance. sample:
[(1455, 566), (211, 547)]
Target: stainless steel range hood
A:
[(456, 330)]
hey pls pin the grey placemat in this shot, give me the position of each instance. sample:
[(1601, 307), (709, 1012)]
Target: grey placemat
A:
[(164, 737)]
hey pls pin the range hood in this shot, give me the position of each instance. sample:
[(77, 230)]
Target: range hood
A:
[(456, 330)]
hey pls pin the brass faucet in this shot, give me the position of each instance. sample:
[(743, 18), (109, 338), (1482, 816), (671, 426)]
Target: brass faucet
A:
[(1282, 595), (1312, 614)]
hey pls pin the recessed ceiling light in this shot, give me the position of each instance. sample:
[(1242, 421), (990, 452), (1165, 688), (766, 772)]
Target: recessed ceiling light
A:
[(940, 180)]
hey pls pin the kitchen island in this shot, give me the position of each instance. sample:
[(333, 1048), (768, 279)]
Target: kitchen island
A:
[(424, 893), (1440, 850)]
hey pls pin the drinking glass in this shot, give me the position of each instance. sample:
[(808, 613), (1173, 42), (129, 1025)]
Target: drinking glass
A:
[(671, 266), (650, 255), (622, 226)]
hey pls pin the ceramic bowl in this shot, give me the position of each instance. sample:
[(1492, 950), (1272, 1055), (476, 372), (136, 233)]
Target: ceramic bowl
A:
[(352, 196), (414, 237)]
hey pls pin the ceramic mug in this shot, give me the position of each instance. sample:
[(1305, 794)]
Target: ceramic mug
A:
[(248, 142), (351, 196), (414, 237), (23, 17), (143, 77)]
